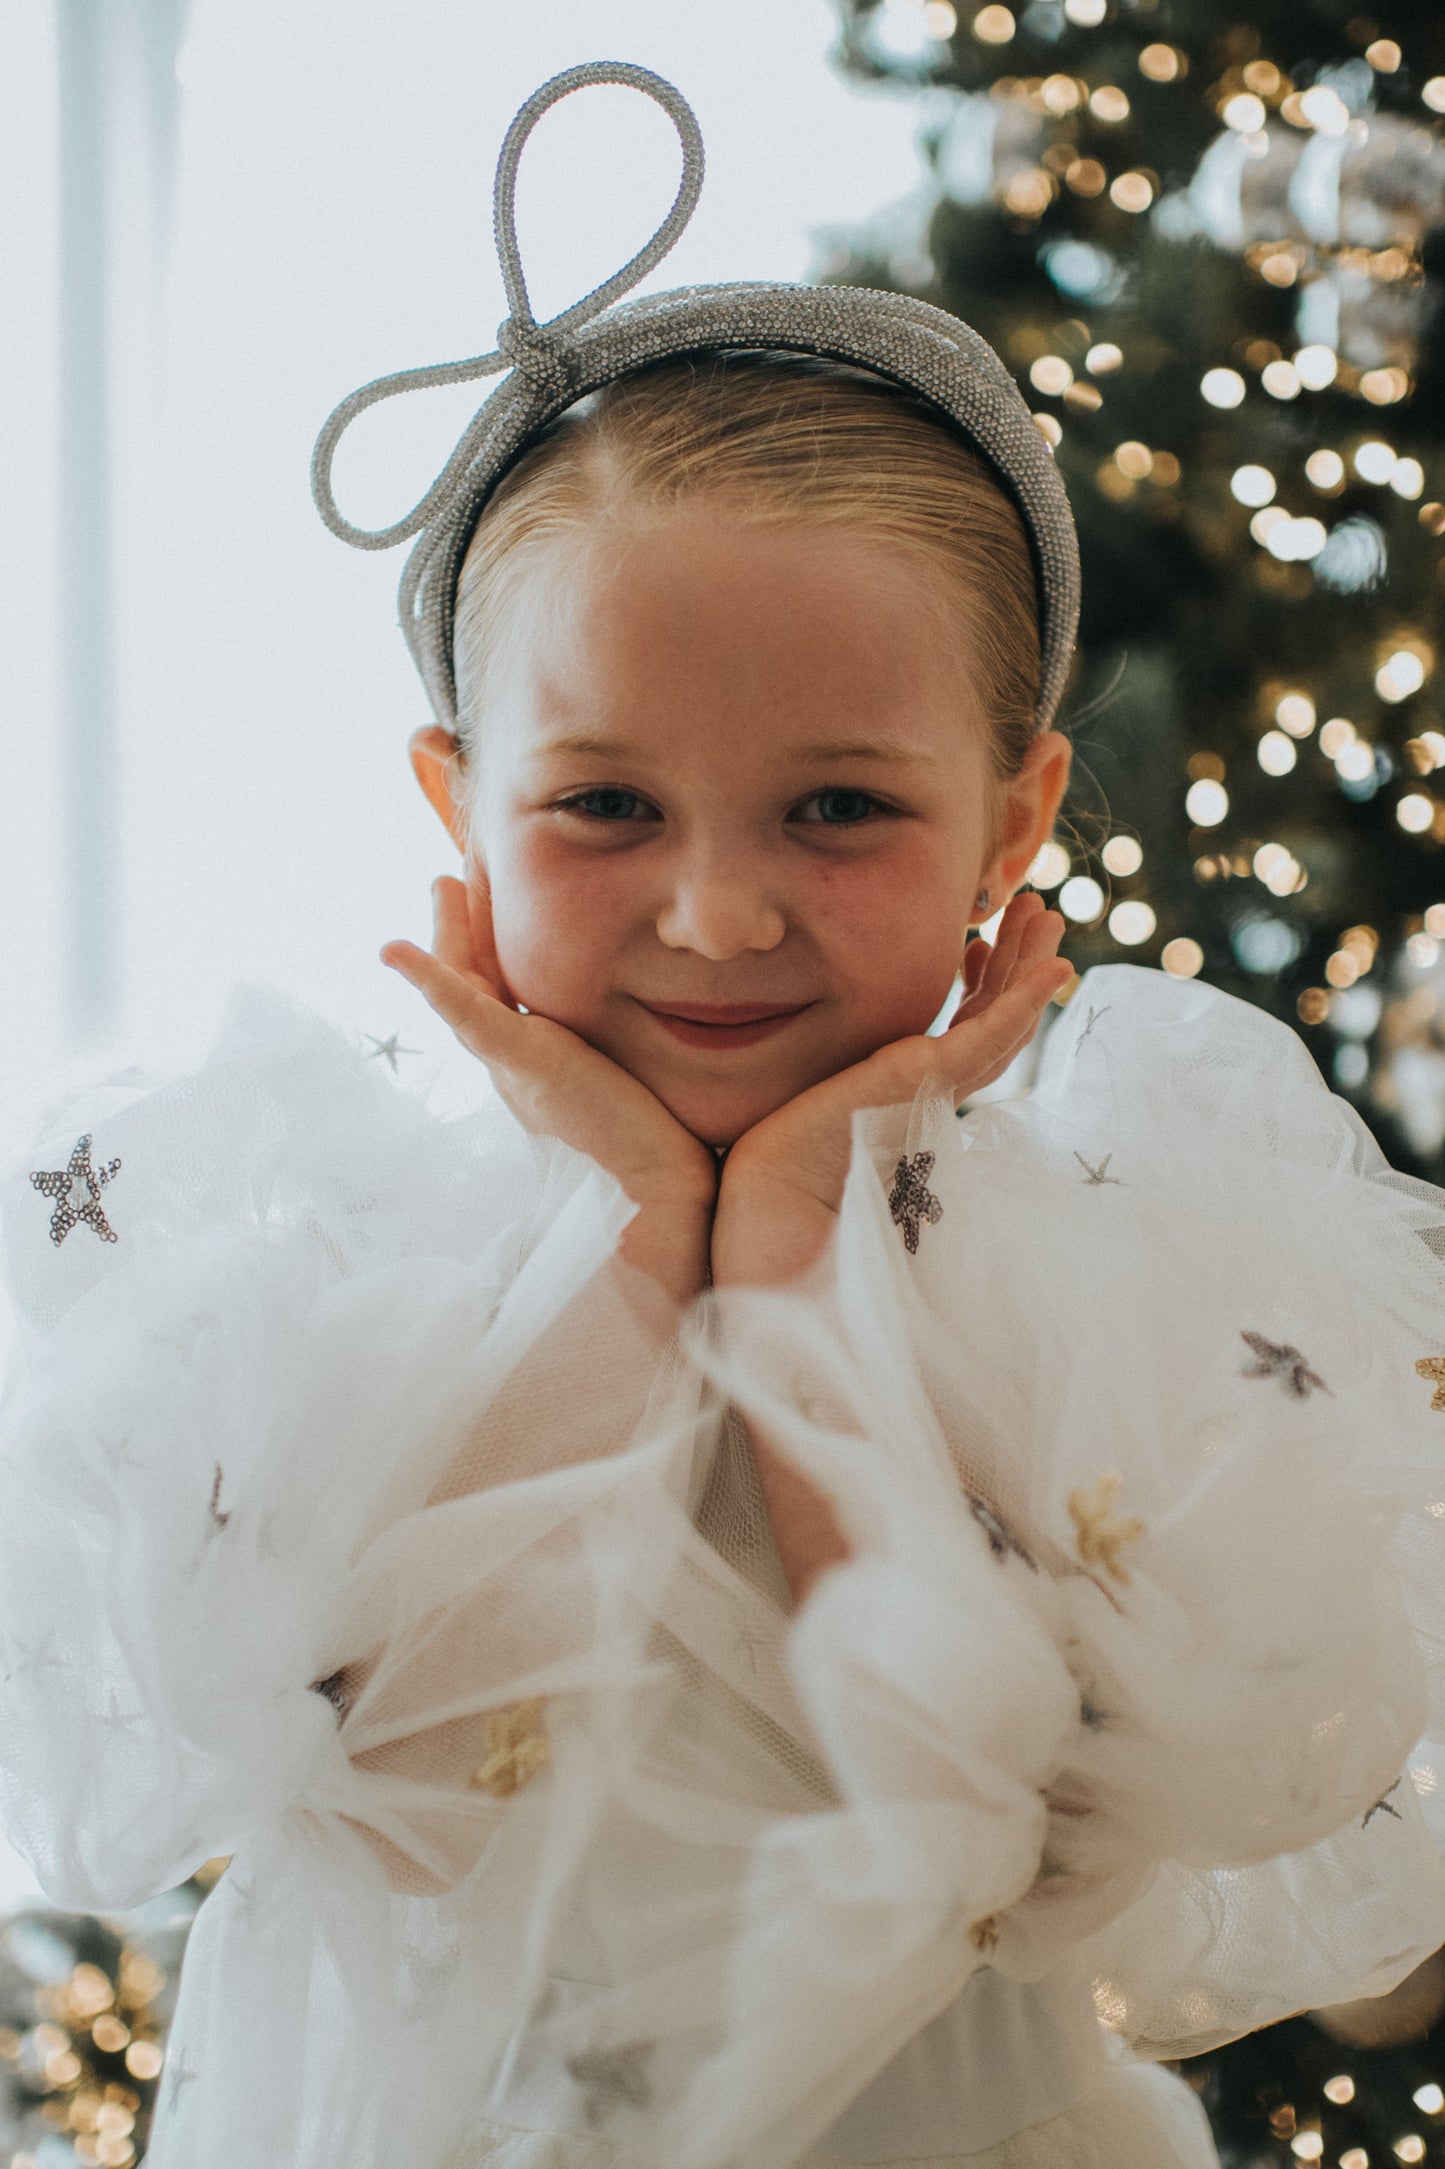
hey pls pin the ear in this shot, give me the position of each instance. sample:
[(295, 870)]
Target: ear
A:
[(434, 756), (1026, 820)]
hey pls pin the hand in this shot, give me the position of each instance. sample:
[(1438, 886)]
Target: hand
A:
[(783, 1180), (557, 1085)]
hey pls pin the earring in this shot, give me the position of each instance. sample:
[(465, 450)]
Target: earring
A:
[(980, 902)]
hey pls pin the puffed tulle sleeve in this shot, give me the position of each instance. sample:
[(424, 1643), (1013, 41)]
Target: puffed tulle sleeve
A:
[(1130, 1396), (329, 1507)]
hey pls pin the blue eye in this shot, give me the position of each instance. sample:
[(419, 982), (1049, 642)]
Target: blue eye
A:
[(841, 808), (607, 802)]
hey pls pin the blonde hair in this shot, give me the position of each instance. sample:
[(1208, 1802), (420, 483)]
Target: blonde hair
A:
[(784, 438)]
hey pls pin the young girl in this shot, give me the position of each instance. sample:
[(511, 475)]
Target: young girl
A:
[(736, 1618)]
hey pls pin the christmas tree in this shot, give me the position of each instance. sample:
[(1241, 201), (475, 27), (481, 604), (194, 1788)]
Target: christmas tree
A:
[(1209, 249)]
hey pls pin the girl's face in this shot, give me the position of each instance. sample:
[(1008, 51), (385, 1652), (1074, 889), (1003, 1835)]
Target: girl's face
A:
[(728, 767)]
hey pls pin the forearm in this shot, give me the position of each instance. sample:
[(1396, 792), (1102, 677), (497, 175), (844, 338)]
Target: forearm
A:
[(764, 1236)]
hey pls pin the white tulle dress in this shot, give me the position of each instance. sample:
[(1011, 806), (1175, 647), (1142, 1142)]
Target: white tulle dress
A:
[(364, 1518)]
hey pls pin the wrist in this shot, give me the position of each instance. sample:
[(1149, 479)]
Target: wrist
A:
[(767, 1230)]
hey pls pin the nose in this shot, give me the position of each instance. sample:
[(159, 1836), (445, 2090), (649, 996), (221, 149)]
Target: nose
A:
[(720, 907)]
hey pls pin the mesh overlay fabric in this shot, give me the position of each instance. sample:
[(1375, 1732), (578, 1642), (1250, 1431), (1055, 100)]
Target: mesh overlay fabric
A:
[(365, 1519)]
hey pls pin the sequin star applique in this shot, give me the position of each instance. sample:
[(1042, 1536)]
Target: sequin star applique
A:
[(1433, 1367), (983, 1935), (519, 1748), (388, 1049), (1099, 1533), (612, 2078), (76, 1190), (1001, 1539), (911, 1201), (1096, 1175), (1284, 1363), (1382, 1805)]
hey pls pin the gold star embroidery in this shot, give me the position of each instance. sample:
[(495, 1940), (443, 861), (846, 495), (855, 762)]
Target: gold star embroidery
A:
[(1433, 1367), (76, 1190), (910, 1200), (519, 1748), (1101, 1534), (983, 1935), (612, 2077)]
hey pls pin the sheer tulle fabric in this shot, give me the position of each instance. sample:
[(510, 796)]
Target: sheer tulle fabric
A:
[(363, 1519)]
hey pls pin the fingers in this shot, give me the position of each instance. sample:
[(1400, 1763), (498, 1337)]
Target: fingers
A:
[(1028, 933), (484, 1025), (982, 1049)]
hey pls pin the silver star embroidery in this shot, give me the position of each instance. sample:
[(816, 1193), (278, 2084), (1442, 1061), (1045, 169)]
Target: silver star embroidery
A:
[(218, 1518), (1094, 1016), (611, 2078), (38, 1657), (181, 2075), (76, 1190), (1001, 1539), (911, 1201), (1098, 1174), (1276, 1360), (1382, 1805), (388, 1049), (124, 1719)]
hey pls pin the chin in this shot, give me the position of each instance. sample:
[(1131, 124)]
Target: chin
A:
[(718, 1117)]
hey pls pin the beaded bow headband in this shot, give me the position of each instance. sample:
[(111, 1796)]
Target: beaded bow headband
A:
[(549, 366)]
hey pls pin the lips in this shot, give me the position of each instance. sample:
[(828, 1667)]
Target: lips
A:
[(719, 1026)]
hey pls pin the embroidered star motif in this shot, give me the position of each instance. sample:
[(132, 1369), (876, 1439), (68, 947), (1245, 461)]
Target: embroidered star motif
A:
[(181, 2075), (1099, 1533), (76, 1190), (334, 1689), (612, 2077), (217, 1516), (1433, 1367), (38, 1656), (1278, 1361), (983, 1935), (1382, 1805), (911, 1201), (519, 1748), (1094, 1016), (388, 1049), (1001, 1539), (1098, 1174)]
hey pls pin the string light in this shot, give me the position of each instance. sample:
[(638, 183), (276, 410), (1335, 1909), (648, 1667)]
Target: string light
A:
[(1164, 64), (1132, 192), (1340, 2090), (1102, 358), (1316, 367), (1182, 958), (1131, 923), (1253, 485), (1374, 460), (1244, 112), (1400, 675), (1415, 812), (1081, 898), (1109, 103), (994, 25), (1384, 56), (1051, 375), (1222, 387), (1281, 380), (1088, 14), (1338, 733), (1276, 753), (1050, 866), (1325, 469), (1434, 94), (1295, 713), (1206, 803), (1123, 855), (1407, 478), (1429, 2098)]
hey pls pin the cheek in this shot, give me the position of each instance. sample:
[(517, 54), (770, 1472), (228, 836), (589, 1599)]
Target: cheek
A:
[(892, 928), (557, 922)]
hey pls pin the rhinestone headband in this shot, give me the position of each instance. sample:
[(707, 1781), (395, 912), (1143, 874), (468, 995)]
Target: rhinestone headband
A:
[(549, 366)]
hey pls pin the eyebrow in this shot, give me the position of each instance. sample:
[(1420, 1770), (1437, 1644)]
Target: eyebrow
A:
[(851, 749)]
